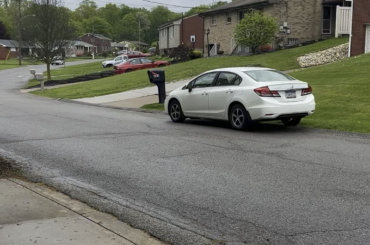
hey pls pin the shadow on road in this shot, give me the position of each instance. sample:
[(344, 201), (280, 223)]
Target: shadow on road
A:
[(265, 127)]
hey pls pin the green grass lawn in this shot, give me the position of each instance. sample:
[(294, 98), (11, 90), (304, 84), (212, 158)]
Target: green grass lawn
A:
[(342, 95), (155, 106), (281, 60)]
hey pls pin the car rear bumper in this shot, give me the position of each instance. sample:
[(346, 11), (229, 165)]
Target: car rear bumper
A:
[(272, 110)]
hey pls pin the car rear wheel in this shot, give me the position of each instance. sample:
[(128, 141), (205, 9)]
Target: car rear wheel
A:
[(128, 70), (291, 121), (161, 65), (175, 112), (239, 117)]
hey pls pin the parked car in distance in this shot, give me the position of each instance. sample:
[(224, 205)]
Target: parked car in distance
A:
[(58, 60), (152, 50), (136, 54), (122, 52), (242, 96), (117, 60), (138, 64)]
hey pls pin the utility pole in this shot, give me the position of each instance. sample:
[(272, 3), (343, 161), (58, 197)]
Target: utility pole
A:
[(139, 35), (19, 34), (93, 39)]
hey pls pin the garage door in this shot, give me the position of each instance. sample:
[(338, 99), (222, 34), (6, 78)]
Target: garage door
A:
[(367, 46)]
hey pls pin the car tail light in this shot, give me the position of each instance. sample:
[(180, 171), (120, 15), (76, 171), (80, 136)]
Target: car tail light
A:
[(307, 91), (266, 92)]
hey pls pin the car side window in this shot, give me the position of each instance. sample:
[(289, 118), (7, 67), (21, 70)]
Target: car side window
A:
[(204, 81), (228, 79), (135, 62), (146, 61)]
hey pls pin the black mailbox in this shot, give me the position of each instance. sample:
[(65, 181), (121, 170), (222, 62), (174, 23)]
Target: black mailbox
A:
[(158, 77)]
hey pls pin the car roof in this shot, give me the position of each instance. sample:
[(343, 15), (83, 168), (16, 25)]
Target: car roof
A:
[(242, 69)]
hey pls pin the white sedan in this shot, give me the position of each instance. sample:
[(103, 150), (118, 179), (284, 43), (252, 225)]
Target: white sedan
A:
[(242, 95)]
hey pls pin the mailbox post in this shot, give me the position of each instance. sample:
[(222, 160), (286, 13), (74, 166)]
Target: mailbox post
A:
[(40, 77), (157, 77), (33, 72)]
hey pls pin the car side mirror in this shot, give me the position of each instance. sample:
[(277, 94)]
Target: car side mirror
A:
[(190, 87)]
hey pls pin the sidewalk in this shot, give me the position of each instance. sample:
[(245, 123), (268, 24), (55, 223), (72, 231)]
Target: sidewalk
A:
[(133, 98), (34, 214)]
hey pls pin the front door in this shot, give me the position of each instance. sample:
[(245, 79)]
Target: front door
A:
[(222, 93), (195, 103), (326, 20), (367, 44)]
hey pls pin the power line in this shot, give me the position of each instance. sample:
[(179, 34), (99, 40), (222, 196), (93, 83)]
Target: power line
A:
[(171, 5), (133, 5)]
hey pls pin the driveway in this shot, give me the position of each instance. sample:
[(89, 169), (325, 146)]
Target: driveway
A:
[(197, 182)]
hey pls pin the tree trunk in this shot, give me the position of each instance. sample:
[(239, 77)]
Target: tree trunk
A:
[(48, 69)]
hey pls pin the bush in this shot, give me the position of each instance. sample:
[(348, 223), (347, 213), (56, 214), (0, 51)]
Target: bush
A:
[(195, 54), (145, 50), (265, 48), (181, 53), (104, 54)]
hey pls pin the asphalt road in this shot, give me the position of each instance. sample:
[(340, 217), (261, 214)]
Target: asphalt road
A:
[(194, 183)]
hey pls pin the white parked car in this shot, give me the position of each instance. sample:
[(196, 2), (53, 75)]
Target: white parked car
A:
[(57, 61), (242, 96), (116, 61)]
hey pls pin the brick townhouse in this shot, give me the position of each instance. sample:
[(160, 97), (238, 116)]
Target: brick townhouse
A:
[(299, 21), (360, 41)]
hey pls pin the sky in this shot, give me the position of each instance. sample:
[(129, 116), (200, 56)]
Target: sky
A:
[(72, 4)]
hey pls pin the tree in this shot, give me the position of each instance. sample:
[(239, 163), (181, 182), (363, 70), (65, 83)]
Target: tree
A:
[(3, 32), (49, 31), (129, 27), (86, 10), (256, 29), (111, 13), (99, 26)]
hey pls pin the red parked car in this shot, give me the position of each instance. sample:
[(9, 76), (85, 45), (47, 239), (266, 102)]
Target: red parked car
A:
[(137, 64), (136, 54)]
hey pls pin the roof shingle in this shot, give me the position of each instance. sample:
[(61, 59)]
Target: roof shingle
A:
[(234, 5)]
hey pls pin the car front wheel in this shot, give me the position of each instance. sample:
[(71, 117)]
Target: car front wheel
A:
[(292, 121), (175, 112), (239, 117)]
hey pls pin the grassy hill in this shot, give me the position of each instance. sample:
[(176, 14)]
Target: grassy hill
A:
[(281, 60), (342, 94)]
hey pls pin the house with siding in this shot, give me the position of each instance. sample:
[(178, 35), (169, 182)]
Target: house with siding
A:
[(299, 21), (360, 39), (188, 31)]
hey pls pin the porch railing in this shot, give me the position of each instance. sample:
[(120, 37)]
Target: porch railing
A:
[(343, 21)]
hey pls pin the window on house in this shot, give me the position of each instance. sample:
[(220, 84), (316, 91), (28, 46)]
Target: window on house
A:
[(213, 20), (228, 18), (241, 16), (292, 41), (171, 31)]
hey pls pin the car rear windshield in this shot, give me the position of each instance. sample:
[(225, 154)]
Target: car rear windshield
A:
[(268, 76)]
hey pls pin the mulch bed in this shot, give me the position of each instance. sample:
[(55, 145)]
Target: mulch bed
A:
[(83, 78)]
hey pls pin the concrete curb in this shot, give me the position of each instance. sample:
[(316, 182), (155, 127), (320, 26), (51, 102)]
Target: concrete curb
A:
[(104, 220), (113, 107)]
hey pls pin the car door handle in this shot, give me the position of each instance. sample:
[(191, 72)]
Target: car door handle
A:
[(230, 92), (205, 94)]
